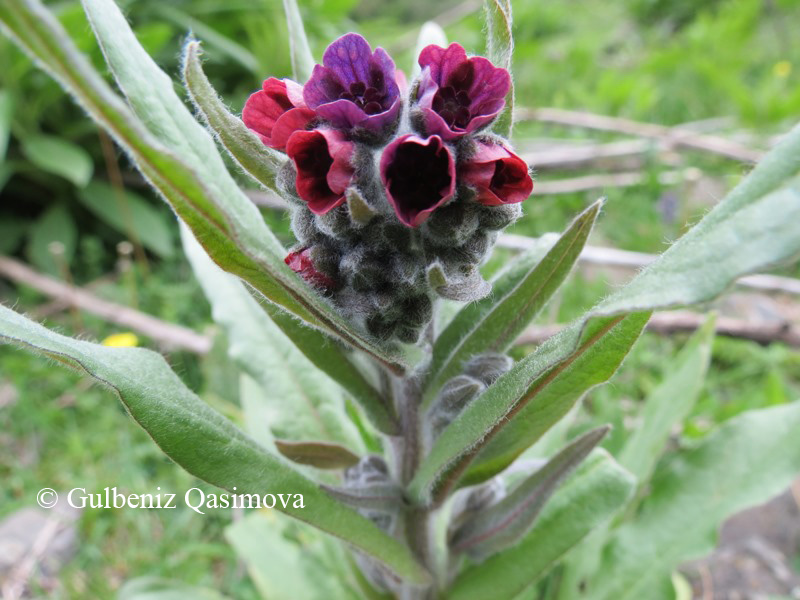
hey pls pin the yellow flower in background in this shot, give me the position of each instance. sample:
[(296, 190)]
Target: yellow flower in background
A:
[(122, 340), (782, 69)]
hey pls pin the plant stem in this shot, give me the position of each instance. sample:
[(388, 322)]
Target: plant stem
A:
[(408, 449)]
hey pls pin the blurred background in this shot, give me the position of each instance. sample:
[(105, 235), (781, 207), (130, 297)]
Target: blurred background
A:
[(696, 90)]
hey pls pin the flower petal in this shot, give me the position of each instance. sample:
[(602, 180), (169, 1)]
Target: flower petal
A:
[(348, 57), (418, 176), (317, 155), (292, 120)]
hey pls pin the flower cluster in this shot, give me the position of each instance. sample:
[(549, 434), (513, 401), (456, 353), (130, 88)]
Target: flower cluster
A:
[(398, 190)]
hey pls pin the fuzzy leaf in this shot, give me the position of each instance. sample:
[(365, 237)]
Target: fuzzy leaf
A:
[(322, 455), (201, 440), (258, 343), (302, 58), (753, 228), (377, 496), (499, 49), (249, 152), (196, 185), (595, 492), (748, 460), (504, 523), (287, 566), (668, 404), (493, 324)]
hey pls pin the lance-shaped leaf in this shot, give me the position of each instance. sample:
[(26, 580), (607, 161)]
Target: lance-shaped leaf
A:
[(202, 441), (196, 185), (547, 381), (492, 324), (587, 499), (748, 460), (668, 404), (286, 566), (753, 228), (504, 523), (322, 455), (307, 404), (377, 496), (302, 58), (499, 49), (249, 152)]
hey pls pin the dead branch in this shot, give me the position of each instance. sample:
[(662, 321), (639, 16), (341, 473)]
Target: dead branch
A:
[(671, 136), (668, 323), (168, 335), (563, 156)]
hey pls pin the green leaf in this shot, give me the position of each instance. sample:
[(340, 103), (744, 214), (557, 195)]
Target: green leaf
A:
[(302, 58), (499, 49), (197, 185), (748, 460), (587, 499), (156, 588), (131, 215), (202, 441), (752, 228), (60, 157), (251, 328), (6, 113), (322, 455), (288, 568), (531, 398), (503, 524), (492, 324), (303, 402), (55, 225), (244, 146), (668, 404)]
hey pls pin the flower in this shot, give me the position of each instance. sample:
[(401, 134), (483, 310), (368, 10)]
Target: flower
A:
[(322, 159), (418, 176), (498, 175), (356, 87), (276, 111), (121, 340), (300, 262), (459, 95)]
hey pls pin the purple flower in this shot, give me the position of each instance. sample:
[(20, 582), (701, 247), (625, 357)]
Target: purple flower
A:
[(356, 87), (459, 95), (498, 175), (322, 159), (419, 175)]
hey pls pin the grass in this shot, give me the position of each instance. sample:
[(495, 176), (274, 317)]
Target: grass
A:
[(626, 59)]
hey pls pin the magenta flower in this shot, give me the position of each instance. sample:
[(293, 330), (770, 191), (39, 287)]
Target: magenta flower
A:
[(418, 175), (356, 87), (300, 262), (322, 159), (498, 175), (276, 111), (459, 95)]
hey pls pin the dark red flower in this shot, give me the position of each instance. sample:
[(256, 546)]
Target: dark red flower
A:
[(300, 262), (418, 176), (276, 111), (459, 95), (322, 159), (354, 87), (498, 175)]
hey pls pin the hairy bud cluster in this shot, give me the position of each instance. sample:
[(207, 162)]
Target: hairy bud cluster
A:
[(480, 372), (397, 193)]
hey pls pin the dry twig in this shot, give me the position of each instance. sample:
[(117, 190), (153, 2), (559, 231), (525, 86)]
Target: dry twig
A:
[(168, 335)]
